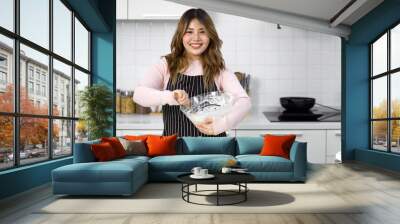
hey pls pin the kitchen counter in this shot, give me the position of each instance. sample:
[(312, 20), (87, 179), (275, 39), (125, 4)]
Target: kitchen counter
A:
[(253, 121)]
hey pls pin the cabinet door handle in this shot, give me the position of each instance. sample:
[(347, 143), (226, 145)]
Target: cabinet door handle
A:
[(338, 134)]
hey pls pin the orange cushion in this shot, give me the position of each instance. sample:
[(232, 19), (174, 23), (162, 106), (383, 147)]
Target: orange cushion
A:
[(161, 145), (116, 145), (277, 145), (136, 137), (103, 151)]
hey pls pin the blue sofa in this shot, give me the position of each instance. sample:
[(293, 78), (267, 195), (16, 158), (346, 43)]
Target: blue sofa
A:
[(125, 176)]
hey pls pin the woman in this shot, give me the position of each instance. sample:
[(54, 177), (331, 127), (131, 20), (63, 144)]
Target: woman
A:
[(194, 66)]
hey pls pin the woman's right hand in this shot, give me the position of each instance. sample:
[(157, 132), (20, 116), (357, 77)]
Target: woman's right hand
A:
[(181, 97)]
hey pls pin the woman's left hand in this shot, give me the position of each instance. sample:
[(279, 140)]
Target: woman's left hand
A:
[(206, 127)]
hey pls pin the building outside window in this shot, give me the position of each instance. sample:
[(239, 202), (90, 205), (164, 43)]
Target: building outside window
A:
[(30, 87)]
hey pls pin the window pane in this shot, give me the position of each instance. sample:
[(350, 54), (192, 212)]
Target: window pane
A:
[(379, 55), (62, 89), (395, 136), (6, 74), (6, 142), (81, 81), (379, 135), (7, 14), (62, 29), (81, 45), (33, 139), (34, 79), (379, 97), (81, 131), (395, 94), (35, 21), (395, 47), (62, 136)]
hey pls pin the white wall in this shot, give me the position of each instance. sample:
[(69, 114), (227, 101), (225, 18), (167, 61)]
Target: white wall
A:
[(285, 62)]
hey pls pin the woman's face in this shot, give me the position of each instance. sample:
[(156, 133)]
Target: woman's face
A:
[(195, 40)]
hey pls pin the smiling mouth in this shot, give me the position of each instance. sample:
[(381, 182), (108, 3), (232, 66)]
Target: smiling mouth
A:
[(196, 46)]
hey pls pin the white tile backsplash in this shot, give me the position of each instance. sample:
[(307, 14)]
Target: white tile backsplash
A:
[(285, 62)]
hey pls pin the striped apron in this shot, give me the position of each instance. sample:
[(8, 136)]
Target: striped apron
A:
[(175, 121)]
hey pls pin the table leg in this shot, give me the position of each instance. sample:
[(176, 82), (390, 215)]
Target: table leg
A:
[(196, 188), (245, 193), (217, 194)]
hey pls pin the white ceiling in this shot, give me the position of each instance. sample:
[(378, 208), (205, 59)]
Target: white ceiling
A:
[(321, 9), (314, 15)]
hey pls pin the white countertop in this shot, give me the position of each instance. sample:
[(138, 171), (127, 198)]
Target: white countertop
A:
[(253, 121)]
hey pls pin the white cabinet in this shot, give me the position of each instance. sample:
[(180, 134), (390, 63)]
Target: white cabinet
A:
[(122, 9), (149, 10), (316, 150), (333, 145)]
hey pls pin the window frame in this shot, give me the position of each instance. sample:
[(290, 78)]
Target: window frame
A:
[(15, 72), (388, 74)]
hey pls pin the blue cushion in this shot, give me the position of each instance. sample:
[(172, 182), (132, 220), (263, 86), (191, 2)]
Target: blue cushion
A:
[(83, 153), (257, 163), (249, 145), (184, 163), (111, 171), (207, 145)]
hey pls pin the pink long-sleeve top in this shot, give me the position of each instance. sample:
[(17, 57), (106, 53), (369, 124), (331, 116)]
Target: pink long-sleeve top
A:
[(152, 92)]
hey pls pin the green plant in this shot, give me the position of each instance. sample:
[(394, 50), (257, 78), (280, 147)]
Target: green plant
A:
[(96, 104)]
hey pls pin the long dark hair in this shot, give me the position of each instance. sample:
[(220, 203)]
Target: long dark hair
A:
[(211, 58)]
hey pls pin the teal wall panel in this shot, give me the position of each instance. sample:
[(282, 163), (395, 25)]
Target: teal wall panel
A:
[(24, 178)]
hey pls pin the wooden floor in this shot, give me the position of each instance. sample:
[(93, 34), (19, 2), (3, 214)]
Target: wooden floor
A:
[(378, 188)]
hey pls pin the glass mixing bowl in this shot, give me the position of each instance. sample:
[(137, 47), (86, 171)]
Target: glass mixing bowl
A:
[(213, 104)]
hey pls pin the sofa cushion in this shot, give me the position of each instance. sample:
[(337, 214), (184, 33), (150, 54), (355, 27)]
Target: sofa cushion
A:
[(161, 145), (83, 152), (111, 171), (134, 147), (207, 145), (116, 145), (249, 145), (103, 151), (185, 163), (277, 145), (257, 163)]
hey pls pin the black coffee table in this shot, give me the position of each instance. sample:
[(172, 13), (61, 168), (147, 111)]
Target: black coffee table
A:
[(238, 179)]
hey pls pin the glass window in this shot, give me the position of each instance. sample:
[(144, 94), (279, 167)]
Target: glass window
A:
[(33, 140), (30, 71), (395, 47), (62, 29), (62, 72), (379, 98), (6, 142), (81, 81), (62, 138), (6, 73), (3, 60), (395, 95), (30, 87), (395, 136), (382, 137), (7, 14), (379, 135), (35, 21), (40, 62), (81, 131), (379, 56), (81, 45), (34, 80)]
